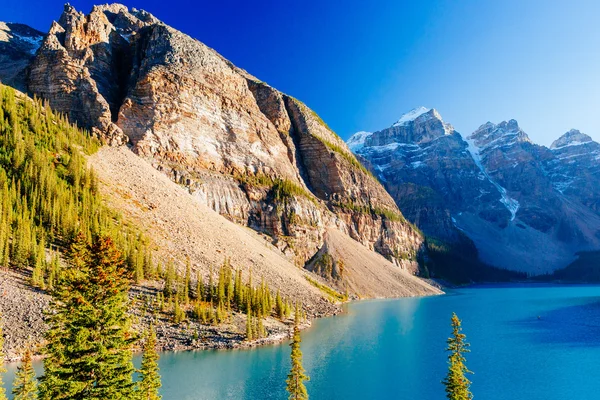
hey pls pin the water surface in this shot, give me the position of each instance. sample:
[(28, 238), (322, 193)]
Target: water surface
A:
[(528, 342)]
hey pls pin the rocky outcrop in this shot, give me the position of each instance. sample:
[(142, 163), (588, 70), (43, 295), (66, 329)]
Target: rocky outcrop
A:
[(526, 207), (84, 63), (255, 155)]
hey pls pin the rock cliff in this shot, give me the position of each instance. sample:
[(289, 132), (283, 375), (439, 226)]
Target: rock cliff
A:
[(253, 154)]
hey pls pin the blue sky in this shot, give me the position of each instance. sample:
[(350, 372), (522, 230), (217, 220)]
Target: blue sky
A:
[(360, 64)]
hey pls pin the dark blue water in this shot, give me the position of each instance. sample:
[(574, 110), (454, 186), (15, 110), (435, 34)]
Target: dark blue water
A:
[(528, 342)]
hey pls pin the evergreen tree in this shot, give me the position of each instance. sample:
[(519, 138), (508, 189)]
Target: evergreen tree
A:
[(279, 307), (296, 377), (2, 366), (249, 328), (456, 382), (89, 340), (199, 287), (25, 384), (150, 383), (187, 283)]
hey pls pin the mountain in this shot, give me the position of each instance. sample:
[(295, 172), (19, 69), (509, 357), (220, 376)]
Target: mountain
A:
[(525, 207), (18, 45), (255, 155), (211, 163)]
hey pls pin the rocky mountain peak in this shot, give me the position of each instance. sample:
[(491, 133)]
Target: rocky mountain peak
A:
[(501, 134), (253, 154), (412, 115), (571, 138)]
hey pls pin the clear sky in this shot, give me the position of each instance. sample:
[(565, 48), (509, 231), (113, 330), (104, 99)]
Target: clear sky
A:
[(361, 64)]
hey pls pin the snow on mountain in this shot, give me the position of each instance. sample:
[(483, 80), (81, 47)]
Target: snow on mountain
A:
[(357, 141), (514, 199), (411, 115), (571, 138), (511, 205)]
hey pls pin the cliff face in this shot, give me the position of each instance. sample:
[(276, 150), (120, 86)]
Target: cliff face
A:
[(526, 207), (255, 155)]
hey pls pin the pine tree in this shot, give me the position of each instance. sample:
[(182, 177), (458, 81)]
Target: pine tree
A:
[(279, 307), (296, 377), (249, 328), (25, 384), (456, 382), (200, 296), (150, 382), (2, 366), (89, 340), (186, 284)]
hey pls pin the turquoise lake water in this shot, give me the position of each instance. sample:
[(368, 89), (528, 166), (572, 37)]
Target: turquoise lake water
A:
[(528, 342)]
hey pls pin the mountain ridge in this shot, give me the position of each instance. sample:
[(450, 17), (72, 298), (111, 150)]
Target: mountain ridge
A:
[(501, 182)]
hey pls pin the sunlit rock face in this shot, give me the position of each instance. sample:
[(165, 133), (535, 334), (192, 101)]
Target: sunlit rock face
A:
[(255, 155)]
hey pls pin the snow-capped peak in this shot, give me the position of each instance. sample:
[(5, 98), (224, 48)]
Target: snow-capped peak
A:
[(571, 138), (411, 115), (357, 141)]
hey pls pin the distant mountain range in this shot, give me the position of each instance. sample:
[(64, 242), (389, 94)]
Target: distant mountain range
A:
[(526, 207)]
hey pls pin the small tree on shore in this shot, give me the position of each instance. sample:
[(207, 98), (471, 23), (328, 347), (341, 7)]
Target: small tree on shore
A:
[(25, 384), (297, 376), (456, 382), (150, 383), (2, 360)]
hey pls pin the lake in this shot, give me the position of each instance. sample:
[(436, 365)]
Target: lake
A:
[(528, 342)]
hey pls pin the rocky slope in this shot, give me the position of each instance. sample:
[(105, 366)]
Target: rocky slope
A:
[(526, 207), (255, 155)]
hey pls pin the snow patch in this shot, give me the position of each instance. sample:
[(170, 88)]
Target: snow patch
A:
[(411, 116), (34, 41), (511, 205), (357, 141)]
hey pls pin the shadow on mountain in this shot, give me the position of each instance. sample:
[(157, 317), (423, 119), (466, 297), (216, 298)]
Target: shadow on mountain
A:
[(18, 44)]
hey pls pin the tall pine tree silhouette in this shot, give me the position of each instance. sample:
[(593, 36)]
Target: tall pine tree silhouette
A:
[(456, 382), (297, 376), (2, 367), (89, 339), (150, 383), (25, 384)]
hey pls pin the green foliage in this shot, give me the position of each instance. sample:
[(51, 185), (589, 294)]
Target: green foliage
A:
[(283, 189), (459, 263), (456, 382), (328, 268), (89, 338), (149, 372), (47, 193), (25, 384), (2, 365), (297, 376), (333, 295), (349, 157), (370, 210), (214, 301)]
